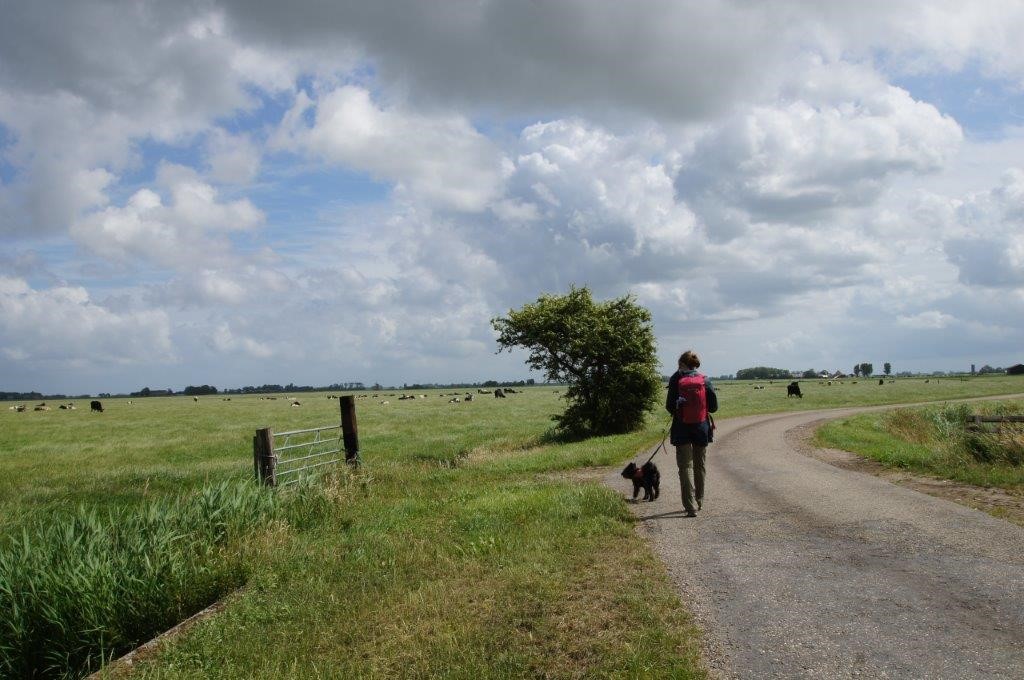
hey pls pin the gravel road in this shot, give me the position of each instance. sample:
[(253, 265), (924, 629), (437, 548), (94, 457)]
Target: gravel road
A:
[(795, 568)]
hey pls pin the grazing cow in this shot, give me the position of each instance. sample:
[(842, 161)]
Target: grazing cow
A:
[(95, 406), (20, 408), (499, 394), (295, 402), (385, 402), (41, 407), (469, 397), (793, 390), (881, 381), (454, 400), (509, 390), (196, 399)]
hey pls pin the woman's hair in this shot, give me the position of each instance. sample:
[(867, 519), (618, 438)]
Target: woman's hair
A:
[(689, 359)]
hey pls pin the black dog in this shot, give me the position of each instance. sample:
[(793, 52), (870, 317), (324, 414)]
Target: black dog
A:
[(647, 477)]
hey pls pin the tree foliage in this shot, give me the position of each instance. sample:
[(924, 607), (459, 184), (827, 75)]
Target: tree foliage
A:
[(193, 390), (603, 351), (762, 373)]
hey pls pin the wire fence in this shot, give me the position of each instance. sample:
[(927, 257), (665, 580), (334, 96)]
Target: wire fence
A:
[(310, 449), (284, 458)]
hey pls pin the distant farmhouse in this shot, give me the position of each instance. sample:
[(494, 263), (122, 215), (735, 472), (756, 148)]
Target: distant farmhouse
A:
[(1016, 369)]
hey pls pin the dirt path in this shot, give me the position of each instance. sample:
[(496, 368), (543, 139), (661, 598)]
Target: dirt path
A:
[(797, 568)]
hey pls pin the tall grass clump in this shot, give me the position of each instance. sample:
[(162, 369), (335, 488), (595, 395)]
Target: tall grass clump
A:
[(937, 440), (945, 428), (1002, 445), (80, 589)]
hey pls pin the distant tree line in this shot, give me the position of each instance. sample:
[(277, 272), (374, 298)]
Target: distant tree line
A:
[(763, 373), (194, 390), (487, 383), (198, 390), (38, 396)]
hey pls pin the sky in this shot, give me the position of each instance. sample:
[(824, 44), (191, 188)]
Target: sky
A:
[(239, 193)]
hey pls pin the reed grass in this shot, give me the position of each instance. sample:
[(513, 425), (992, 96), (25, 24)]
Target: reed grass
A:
[(92, 584)]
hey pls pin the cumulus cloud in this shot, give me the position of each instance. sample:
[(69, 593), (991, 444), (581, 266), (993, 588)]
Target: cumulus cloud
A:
[(584, 205), (233, 159), (440, 159), (227, 342), (63, 326), (185, 232), (831, 146), (986, 234), (82, 87), (683, 60), (930, 319)]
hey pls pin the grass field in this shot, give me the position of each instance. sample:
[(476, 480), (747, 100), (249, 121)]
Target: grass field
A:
[(459, 549)]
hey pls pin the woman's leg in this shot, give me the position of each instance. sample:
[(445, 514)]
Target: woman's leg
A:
[(684, 459), (698, 474)]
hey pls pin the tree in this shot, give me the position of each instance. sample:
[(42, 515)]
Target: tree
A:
[(193, 390), (856, 370), (866, 369), (887, 368), (762, 373), (809, 374), (603, 351)]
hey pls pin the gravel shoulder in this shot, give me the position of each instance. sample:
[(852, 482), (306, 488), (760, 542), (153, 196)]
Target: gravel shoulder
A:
[(801, 566)]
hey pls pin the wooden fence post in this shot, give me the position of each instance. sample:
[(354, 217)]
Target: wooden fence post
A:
[(263, 454), (349, 429)]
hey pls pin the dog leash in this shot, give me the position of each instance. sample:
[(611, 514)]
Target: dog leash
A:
[(661, 445), (665, 436)]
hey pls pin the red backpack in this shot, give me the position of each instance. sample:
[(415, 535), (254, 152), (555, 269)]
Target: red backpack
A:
[(692, 403)]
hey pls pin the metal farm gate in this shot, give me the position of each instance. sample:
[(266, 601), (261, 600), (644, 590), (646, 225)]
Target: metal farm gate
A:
[(287, 455)]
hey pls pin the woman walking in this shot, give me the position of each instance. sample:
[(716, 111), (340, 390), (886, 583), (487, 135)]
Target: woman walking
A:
[(691, 397)]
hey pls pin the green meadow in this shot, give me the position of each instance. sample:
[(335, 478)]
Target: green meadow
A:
[(466, 546)]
